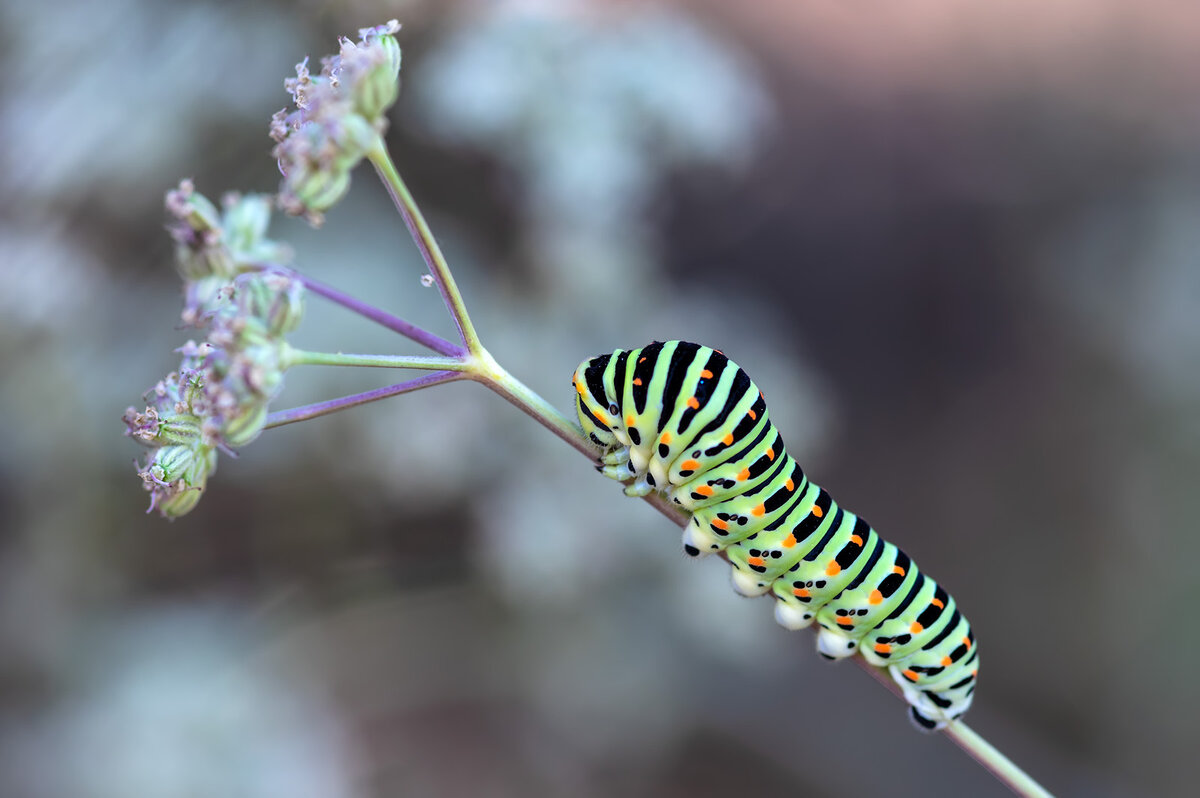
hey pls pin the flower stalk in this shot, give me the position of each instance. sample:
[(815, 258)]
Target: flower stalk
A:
[(300, 357), (318, 409), (414, 220), (394, 323)]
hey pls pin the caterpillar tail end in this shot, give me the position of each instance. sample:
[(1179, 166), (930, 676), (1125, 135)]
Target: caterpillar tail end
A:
[(922, 723), (931, 707)]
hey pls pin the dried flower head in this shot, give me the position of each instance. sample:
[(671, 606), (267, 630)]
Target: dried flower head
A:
[(244, 225), (237, 289), (274, 296), (369, 69), (212, 248), (338, 118), (196, 228)]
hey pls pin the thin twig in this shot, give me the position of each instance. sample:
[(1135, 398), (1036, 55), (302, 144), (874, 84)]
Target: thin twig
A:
[(394, 323), (997, 763), (282, 417), (302, 357), (426, 243)]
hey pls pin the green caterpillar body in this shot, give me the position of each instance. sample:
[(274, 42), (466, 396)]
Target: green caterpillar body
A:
[(685, 420)]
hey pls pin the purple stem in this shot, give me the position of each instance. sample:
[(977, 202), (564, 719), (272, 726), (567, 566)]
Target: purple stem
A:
[(394, 323), (281, 417)]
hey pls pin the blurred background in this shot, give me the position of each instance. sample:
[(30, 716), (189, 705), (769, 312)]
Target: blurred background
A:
[(957, 246)]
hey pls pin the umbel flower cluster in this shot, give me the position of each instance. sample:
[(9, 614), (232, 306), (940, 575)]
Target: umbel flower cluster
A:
[(338, 118), (239, 289), (238, 292)]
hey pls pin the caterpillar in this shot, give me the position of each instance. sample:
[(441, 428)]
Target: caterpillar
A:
[(685, 420)]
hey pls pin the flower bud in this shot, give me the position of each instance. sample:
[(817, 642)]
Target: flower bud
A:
[(202, 297), (375, 63), (200, 251), (196, 358), (193, 209), (313, 190), (151, 429), (236, 332), (246, 376), (203, 260), (175, 503), (275, 297), (165, 397), (245, 427), (355, 138), (246, 219), (168, 464), (175, 477), (245, 230), (180, 429), (260, 367)]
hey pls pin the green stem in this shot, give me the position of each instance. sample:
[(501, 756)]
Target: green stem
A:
[(487, 371), (301, 357), (1000, 766), (423, 236)]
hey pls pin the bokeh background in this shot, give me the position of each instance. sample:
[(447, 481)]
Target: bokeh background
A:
[(958, 245)]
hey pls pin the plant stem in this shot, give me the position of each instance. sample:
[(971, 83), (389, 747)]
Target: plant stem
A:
[(499, 380), (394, 323), (491, 374), (301, 357), (282, 417), (997, 763), (426, 243)]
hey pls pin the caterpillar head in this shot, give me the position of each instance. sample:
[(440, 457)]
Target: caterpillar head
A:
[(595, 403)]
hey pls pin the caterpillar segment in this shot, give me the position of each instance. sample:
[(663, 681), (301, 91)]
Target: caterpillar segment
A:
[(684, 420)]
